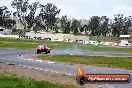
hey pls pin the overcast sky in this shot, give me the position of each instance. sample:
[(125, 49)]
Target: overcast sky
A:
[(84, 9)]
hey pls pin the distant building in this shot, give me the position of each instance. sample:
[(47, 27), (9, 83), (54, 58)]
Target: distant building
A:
[(124, 40), (5, 31), (75, 38), (57, 36), (2, 30), (50, 36)]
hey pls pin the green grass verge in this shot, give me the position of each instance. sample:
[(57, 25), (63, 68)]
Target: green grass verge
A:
[(94, 48), (15, 82), (114, 62), (32, 44)]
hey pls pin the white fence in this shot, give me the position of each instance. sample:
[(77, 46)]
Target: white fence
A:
[(9, 36)]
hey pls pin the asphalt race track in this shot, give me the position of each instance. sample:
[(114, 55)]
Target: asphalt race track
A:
[(14, 56)]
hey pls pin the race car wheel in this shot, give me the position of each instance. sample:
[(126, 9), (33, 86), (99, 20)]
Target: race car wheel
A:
[(48, 51), (38, 51)]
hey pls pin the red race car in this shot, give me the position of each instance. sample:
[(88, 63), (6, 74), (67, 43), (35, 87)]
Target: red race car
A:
[(43, 48)]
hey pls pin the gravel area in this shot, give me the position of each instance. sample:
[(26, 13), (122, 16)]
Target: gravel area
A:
[(41, 75)]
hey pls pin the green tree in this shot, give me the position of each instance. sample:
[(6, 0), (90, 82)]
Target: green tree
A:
[(9, 23), (5, 18), (31, 21), (65, 25), (68, 27), (121, 25), (4, 15), (48, 14), (21, 7), (104, 23), (84, 28), (94, 24), (75, 27), (63, 21)]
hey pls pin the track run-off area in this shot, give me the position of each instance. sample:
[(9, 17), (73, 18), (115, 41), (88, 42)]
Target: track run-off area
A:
[(14, 56)]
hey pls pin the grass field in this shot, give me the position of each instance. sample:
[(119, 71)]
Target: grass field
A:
[(114, 62), (99, 48), (32, 44), (15, 82)]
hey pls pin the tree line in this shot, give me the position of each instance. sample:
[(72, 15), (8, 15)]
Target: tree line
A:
[(36, 16)]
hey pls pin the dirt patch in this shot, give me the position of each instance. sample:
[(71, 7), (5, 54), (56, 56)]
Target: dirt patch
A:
[(41, 75)]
